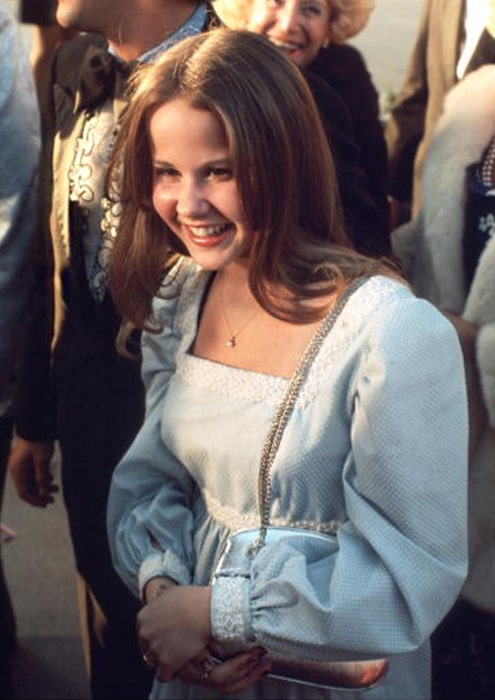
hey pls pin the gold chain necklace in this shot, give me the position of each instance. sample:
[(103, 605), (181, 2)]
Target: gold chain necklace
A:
[(232, 341)]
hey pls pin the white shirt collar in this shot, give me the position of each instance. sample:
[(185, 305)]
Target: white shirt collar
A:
[(475, 18)]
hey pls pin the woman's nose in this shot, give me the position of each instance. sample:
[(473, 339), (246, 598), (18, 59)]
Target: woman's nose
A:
[(191, 200), (288, 15)]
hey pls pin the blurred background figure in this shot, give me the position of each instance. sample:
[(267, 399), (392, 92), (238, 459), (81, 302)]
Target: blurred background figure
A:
[(313, 35), (46, 35), (454, 37), (448, 250), (234, 13), (19, 151), (344, 68), (77, 385)]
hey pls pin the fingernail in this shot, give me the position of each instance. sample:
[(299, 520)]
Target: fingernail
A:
[(258, 654), (261, 667), (256, 660)]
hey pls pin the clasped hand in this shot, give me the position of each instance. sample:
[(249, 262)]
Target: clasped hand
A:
[(174, 634)]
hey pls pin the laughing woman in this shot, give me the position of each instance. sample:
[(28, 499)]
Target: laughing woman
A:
[(314, 33), (233, 259)]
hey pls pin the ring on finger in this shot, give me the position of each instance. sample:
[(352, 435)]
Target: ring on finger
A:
[(147, 660), (204, 668)]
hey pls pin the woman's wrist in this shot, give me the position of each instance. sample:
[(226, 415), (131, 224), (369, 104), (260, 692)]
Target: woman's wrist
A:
[(157, 586)]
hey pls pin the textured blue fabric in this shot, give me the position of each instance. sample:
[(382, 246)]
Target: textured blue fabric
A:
[(374, 451)]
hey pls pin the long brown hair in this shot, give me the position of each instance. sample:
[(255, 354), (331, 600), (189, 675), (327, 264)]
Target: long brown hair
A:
[(282, 164)]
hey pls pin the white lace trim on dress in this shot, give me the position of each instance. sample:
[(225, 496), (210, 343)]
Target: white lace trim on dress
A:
[(257, 387), (234, 521)]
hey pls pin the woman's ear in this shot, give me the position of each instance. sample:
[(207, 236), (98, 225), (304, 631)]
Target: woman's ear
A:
[(334, 30), (329, 35)]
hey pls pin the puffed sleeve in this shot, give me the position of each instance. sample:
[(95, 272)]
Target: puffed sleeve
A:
[(149, 509), (399, 557)]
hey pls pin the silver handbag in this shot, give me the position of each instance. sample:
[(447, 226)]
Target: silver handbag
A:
[(244, 545)]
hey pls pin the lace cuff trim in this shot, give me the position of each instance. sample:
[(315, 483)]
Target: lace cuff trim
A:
[(230, 611)]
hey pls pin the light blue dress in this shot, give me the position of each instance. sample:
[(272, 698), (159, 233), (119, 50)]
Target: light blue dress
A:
[(375, 452)]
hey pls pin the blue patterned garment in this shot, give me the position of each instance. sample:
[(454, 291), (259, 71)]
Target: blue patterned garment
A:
[(374, 452)]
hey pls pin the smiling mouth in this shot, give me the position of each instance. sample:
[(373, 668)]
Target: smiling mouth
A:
[(286, 46), (209, 231)]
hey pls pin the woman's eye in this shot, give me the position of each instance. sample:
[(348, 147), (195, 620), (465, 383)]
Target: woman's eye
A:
[(314, 10), (219, 173), (166, 173)]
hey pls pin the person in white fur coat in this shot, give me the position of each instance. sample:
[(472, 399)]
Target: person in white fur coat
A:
[(448, 252)]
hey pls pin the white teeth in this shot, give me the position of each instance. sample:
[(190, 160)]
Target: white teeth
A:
[(284, 46), (208, 231)]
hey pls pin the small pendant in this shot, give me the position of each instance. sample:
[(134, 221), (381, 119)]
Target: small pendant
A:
[(231, 343)]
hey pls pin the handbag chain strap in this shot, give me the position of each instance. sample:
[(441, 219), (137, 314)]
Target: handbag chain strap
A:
[(285, 409)]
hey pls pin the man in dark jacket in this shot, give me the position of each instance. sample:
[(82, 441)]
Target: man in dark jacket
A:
[(75, 385)]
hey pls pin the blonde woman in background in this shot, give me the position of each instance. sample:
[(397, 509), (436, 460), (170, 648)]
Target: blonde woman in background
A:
[(343, 18), (314, 34)]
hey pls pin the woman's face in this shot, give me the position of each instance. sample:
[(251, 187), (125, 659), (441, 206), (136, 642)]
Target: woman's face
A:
[(298, 27), (194, 189)]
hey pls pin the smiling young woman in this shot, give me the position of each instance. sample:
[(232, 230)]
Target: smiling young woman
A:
[(232, 256), (194, 189)]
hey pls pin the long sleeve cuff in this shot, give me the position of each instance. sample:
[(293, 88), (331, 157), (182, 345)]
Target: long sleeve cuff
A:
[(162, 564), (230, 613)]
